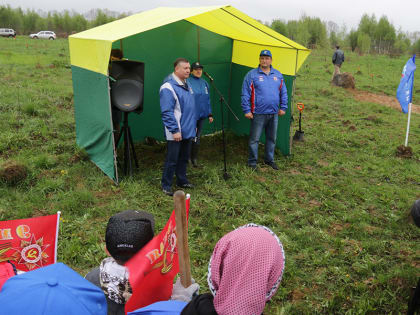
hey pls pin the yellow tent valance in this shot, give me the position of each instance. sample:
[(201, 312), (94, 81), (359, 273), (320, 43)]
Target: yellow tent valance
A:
[(91, 49)]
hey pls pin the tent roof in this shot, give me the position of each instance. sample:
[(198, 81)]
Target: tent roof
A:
[(248, 35)]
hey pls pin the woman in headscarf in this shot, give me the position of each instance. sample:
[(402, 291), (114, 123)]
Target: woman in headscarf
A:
[(245, 271)]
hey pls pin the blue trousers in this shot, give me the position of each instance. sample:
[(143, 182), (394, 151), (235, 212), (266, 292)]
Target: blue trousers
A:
[(268, 123), (176, 161)]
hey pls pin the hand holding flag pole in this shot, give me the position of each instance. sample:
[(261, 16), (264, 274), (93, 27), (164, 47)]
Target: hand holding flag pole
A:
[(182, 238)]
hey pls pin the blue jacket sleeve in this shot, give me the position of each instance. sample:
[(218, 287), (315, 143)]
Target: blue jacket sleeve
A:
[(246, 94), (209, 105), (283, 95), (167, 106)]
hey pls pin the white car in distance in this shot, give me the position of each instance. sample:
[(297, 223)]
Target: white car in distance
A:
[(44, 35)]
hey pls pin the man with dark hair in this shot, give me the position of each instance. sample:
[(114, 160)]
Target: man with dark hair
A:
[(126, 233), (337, 60), (264, 98), (179, 120)]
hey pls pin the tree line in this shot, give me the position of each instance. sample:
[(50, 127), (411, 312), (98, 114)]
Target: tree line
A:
[(371, 36), (62, 23)]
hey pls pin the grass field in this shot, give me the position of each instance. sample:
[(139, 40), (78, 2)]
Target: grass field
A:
[(340, 203)]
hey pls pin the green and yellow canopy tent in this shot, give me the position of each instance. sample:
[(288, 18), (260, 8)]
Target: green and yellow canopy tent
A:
[(225, 40)]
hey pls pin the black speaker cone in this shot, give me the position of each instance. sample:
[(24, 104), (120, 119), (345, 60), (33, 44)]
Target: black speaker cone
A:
[(127, 94), (128, 89)]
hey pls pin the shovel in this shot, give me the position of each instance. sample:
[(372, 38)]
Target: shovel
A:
[(299, 133)]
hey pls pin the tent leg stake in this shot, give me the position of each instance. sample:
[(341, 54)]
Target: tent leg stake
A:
[(225, 173)]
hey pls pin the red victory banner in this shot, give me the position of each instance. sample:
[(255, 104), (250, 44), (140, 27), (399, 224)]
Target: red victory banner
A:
[(153, 269), (29, 243)]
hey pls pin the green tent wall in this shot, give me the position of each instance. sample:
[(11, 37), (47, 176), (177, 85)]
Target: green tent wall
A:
[(157, 49)]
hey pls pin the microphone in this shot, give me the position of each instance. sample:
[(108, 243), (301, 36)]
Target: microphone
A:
[(208, 76)]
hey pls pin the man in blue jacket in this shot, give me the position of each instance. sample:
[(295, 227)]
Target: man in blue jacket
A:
[(179, 119), (202, 104), (264, 98)]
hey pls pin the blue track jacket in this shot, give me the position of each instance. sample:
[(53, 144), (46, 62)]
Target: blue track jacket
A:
[(201, 95), (177, 107), (262, 93)]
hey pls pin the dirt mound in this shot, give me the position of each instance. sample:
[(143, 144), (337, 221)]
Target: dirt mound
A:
[(382, 99), (405, 152), (12, 173), (345, 80)]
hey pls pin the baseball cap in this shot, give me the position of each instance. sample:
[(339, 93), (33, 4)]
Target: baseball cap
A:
[(197, 65), (54, 289), (127, 232), (266, 52)]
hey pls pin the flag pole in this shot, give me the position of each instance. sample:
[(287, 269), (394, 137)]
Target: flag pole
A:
[(182, 238), (408, 124), (56, 236)]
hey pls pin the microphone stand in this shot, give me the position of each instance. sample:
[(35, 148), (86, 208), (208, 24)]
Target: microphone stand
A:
[(226, 176)]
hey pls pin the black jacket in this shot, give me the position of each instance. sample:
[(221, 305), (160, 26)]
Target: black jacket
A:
[(200, 305), (338, 57)]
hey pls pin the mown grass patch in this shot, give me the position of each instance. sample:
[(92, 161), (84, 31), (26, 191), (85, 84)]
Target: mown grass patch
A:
[(339, 203)]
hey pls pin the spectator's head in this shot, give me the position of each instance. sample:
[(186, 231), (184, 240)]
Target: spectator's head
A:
[(245, 270), (197, 69), (127, 232), (415, 212), (182, 68), (338, 47), (116, 54), (54, 289)]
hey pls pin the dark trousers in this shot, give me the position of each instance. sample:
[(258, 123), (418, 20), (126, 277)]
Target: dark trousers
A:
[(200, 123), (177, 156)]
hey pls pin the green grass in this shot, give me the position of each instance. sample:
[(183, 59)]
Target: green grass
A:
[(340, 203)]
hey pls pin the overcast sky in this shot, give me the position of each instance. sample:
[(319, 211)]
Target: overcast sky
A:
[(402, 13)]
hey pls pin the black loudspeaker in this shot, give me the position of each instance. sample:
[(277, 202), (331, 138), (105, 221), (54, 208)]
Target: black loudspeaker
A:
[(127, 90)]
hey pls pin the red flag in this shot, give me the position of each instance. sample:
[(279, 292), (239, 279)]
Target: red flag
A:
[(29, 243), (153, 269)]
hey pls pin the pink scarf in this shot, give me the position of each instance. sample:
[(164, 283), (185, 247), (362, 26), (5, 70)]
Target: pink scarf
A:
[(245, 270)]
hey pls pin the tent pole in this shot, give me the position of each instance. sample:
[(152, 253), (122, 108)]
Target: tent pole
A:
[(230, 88), (408, 124), (291, 104), (198, 43)]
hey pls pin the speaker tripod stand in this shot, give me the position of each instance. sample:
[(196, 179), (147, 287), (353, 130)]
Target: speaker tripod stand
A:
[(128, 144)]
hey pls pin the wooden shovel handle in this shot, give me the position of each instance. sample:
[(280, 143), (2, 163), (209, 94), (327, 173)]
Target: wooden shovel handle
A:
[(182, 238)]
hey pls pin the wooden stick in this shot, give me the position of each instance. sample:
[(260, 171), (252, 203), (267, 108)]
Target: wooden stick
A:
[(182, 238)]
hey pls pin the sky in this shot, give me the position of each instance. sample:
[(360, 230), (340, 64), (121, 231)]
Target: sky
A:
[(402, 13)]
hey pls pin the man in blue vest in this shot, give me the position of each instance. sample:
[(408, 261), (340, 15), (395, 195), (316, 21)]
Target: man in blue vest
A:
[(202, 104), (264, 98), (179, 119)]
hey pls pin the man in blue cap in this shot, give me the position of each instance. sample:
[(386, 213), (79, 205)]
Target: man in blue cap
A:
[(54, 289), (264, 98)]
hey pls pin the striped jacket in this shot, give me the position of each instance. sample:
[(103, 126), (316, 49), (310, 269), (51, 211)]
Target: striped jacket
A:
[(263, 93), (177, 108)]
